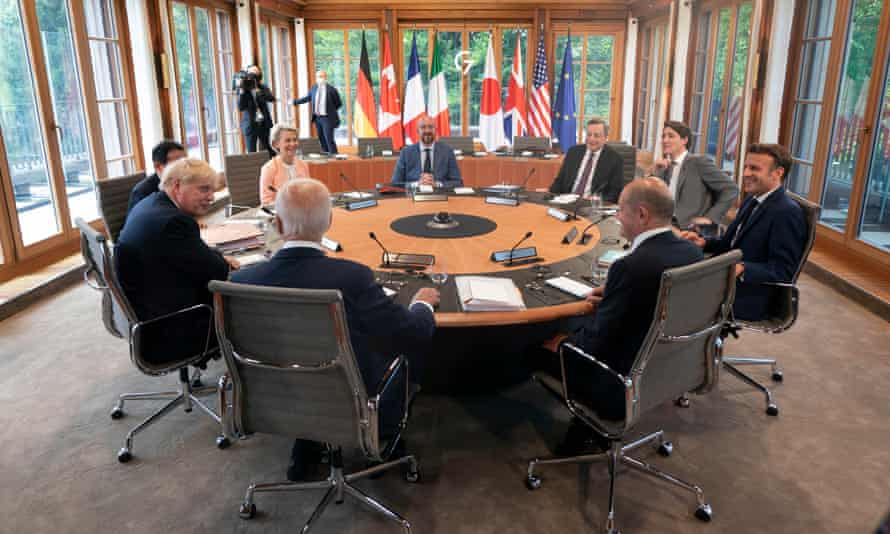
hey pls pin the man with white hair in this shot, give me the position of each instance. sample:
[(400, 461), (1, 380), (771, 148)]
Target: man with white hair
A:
[(379, 328), (160, 259)]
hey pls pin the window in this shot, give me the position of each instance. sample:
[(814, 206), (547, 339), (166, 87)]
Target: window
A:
[(874, 226), (652, 75), (284, 73), (229, 100)]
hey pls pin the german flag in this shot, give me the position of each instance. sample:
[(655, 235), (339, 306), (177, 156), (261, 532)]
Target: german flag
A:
[(364, 112)]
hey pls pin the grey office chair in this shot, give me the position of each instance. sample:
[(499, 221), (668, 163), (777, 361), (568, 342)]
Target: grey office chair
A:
[(534, 144), (374, 145), (628, 155), (114, 197), (310, 145), (243, 180), (783, 316), (120, 321), (292, 372), (680, 353), (464, 143)]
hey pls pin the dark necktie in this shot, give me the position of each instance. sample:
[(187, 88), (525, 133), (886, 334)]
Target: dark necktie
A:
[(585, 176), (427, 161), (669, 172), (743, 221)]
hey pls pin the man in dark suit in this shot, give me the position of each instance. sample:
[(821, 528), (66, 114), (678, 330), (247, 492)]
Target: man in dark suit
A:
[(770, 229), (163, 154), (324, 101), (428, 162), (162, 262), (378, 327), (702, 192), (253, 103), (591, 168), (623, 309)]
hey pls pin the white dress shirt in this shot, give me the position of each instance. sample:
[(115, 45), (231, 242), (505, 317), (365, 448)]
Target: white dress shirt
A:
[(643, 236), (321, 99), (587, 155), (675, 173), (423, 148)]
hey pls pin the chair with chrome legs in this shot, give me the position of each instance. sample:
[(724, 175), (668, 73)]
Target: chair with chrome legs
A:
[(680, 353), (143, 337), (292, 372), (784, 306)]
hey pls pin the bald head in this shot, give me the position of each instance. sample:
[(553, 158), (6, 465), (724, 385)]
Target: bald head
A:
[(645, 204), (303, 210), (426, 126), (321, 76)]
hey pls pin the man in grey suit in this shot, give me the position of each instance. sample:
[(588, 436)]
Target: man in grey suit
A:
[(428, 162), (702, 192)]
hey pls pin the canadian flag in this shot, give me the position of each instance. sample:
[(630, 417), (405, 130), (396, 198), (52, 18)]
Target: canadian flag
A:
[(491, 117), (415, 107), (390, 121)]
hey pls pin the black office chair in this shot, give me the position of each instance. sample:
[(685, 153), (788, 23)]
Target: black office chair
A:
[(300, 379), (628, 155), (114, 198), (373, 146), (143, 336), (310, 145), (525, 143), (782, 316), (464, 143), (680, 353)]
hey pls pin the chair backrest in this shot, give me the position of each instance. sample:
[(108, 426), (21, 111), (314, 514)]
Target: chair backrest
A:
[(117, 314), (243, 177), (535, 144), (377, 144), (310, 145), (628, 155), (114, 197), (464, 143), (811, 210), (680, 352), (292, 365)]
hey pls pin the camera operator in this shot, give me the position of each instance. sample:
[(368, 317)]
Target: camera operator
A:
[(253, 103)]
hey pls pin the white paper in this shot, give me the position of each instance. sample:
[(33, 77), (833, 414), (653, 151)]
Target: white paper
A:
[(551, 156), (464, 190), (386, 153), (567, 198), (481, 153), (389, 292), (341, 156), (481, 293), (250, 259), (572, 287), (422, 188), (314, 155), (526, 153), (357, 194)]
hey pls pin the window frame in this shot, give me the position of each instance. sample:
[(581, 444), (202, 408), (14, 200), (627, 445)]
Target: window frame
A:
[(646, 125)]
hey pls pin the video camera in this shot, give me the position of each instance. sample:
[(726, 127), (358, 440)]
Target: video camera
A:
[(245, 80)]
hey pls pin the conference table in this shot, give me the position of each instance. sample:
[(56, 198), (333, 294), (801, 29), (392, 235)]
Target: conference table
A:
[(475, 351)]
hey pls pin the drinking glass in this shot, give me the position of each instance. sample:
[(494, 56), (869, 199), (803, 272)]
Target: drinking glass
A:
[(437, 275), (596, 202)]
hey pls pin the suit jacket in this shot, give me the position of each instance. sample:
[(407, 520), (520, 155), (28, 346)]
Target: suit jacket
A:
[(378, 327), (145, 187), (772, 241), (616, 330), (332, 102), (608, 178), (164, 266), (410, 165), (703, 190), (248, 106)]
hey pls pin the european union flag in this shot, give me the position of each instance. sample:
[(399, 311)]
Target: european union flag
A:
[(565, 122)]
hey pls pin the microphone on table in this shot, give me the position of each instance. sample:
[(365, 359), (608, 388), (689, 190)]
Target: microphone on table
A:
[(526, 236), (385, 262), (348, 182), (584, 235), (524, 182)]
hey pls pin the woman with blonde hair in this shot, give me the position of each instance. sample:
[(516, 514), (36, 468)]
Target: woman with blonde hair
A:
[(283, 167)]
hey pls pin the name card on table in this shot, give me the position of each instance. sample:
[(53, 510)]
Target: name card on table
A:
[(502, 201), (361, 204), (330, 244), (559, 214)]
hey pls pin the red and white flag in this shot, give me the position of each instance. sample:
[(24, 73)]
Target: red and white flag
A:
[(515, 122), (539, 101), (491, 116), (415, 106), (390, 120)]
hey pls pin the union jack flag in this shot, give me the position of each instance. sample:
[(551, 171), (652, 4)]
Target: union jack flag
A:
[(539, 103)]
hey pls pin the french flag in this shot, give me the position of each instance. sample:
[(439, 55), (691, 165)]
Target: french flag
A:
[(415, 106)]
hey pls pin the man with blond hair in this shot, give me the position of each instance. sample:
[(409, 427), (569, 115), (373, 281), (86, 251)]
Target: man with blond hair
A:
[(379, 328), (160, 259)]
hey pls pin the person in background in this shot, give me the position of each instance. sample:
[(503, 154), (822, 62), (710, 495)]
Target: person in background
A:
[(591, 168), (253, 103), (702, 192), (427, 162), (283, 167), (163, 154), (324, 101)]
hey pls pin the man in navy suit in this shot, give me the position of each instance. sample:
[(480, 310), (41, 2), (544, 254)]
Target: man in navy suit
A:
[(253, 103), (324, 101), (378, 327), (163, 154), (591, 168), (770, 229), (623, 308), (162, 262), (428, 162)]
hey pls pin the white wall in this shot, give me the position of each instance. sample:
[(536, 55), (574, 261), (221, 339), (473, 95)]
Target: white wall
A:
[(776, 70), (243, 13), (302, 76), (681, 55), (630, 69)]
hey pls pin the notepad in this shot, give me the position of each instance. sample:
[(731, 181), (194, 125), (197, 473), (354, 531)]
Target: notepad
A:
[(357, 195), (567, 198), (250, 259), (482, 293), (610, 256), (464, 190), (572, 287), (222, 234)]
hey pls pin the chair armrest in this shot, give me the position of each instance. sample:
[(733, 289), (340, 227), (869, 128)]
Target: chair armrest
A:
[(95, 284), (583, 356), (398, 366), (198, 310)]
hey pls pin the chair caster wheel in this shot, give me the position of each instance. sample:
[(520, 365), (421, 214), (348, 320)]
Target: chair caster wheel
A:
[(778, 376), (124, 455), (196, 383), (222, 442), (666, 448), (682, 402), (414, 476), (533, 482), (247, 511), (772, 409), (117, 413), (703, 513)]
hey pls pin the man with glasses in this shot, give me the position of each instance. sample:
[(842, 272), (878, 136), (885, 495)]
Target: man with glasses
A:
[(591, 168)]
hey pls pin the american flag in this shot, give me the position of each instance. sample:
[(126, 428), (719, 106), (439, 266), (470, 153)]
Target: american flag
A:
[(539, 103)]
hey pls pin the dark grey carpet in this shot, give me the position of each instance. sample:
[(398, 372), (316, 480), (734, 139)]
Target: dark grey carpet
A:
[(821, 466)]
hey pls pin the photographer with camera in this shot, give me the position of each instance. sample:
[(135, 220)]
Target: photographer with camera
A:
[(253, 103)]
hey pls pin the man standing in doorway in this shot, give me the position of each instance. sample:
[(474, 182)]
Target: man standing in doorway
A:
[(324, 101)]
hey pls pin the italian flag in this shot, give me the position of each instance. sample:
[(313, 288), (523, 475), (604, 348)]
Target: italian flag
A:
[(437, 106)]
